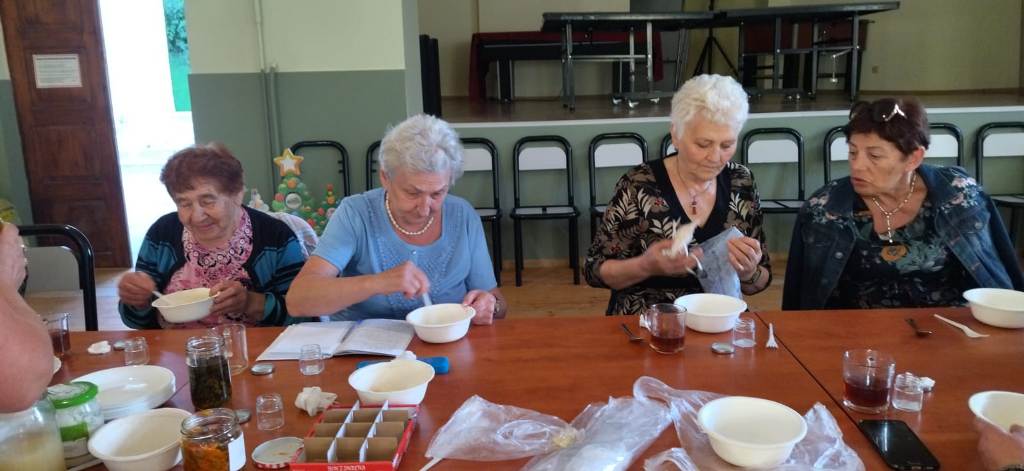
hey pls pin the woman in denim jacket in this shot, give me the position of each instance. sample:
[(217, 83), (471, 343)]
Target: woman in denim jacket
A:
[(896, 232)]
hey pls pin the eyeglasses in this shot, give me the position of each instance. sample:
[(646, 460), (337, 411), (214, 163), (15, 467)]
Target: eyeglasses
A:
[(882, 111)]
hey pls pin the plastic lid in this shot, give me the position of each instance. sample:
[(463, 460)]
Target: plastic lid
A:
[(276, 453), (73, 394)]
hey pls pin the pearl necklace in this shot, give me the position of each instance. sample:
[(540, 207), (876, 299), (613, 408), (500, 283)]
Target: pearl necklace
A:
[(889, 214), (391, 217)]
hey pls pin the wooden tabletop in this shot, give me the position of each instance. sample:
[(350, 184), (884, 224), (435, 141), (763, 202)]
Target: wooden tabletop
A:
[(959, 365), (551, 365)]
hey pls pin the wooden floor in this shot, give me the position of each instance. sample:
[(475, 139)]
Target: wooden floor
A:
[(463, 110), (546, 292)]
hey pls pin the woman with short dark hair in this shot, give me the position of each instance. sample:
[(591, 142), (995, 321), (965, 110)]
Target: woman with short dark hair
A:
[(246, 257), (896, 232)]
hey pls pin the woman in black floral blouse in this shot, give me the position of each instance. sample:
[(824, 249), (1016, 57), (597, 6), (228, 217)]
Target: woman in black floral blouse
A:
[(630, 252)]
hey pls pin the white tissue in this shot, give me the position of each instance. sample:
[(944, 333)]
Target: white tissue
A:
[(99, 348), (313, 400), (406, 355), (926, 383)]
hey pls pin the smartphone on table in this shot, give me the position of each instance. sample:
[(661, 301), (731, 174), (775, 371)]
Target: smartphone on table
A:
[(898, 444)]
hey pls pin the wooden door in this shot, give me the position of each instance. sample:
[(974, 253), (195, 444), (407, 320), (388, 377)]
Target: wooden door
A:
[(65, 120)]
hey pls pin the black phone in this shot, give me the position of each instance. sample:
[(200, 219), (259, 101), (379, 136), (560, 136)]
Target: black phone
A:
[(898, 445)]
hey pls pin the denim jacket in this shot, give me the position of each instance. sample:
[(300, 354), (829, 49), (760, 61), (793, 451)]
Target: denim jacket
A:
[(966, 219)]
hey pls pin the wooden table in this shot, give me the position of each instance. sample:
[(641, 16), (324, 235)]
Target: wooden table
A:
[(959, 365), (554, 366)]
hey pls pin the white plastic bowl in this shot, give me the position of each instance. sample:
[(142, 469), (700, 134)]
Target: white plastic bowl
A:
[(997, 307), (1001, 408), (441, 323), (711, 313), (399, 381), (185, 306), (148, 441), (751, 432)]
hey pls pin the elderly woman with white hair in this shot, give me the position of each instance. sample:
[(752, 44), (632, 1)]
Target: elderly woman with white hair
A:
[(631, 251), (384, 249)]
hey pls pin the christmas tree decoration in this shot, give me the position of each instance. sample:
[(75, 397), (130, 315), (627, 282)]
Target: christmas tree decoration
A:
[(256, 201), (292, 196), (288, 162), (326, 209)]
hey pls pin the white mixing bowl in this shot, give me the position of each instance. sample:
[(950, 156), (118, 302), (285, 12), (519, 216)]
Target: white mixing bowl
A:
[(1002, 408), (185, 306), (751, 432), (711, 313), (997, 307), (441, 323), (400, 382), (147, 441)]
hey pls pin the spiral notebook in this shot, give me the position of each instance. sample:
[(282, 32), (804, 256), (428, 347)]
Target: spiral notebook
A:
[(385, 337)]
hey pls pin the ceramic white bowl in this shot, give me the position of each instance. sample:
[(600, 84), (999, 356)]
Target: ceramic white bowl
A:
[(185, 306), (148, 441), (399, 381), (751, 432), (440, 323), (711, 313), (997, 307), (1001, 408)]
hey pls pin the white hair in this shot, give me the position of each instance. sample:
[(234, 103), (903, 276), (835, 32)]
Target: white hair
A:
[(717, 98), (421, 144)]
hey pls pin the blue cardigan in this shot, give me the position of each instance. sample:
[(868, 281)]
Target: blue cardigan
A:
[(275, 260), (966, 219)]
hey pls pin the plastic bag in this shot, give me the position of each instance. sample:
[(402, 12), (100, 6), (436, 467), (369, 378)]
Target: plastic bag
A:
[(483, 431), (613, 434), (822, 448)]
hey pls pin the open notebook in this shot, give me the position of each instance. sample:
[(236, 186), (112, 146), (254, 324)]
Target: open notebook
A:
[(367, 337)]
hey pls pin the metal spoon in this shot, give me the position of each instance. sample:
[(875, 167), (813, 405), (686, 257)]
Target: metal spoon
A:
[(632, 337), (917, 330)]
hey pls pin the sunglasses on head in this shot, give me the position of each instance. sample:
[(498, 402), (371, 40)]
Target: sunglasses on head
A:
[(882, 111)]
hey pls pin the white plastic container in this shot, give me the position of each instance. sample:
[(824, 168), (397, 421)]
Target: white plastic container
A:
[(400, 381), (185, 306), (441, 323), (751, 432), (1002, 408), (711, 313), (997, 307), (148, 441)]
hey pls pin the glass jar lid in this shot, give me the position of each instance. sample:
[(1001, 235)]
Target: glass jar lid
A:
[(73, 394)]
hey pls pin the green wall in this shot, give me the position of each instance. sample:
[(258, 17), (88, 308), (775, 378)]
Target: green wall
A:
[(13, 182)]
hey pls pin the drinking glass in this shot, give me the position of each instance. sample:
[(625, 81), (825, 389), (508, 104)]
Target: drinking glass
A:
[(236, 347), (136, 351), (269, 411), (60, 333), (667, 324), (311, 360), (744, 333), (907, 394), (867, 376)]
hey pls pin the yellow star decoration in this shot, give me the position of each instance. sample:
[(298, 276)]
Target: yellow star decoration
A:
[(288, 162)]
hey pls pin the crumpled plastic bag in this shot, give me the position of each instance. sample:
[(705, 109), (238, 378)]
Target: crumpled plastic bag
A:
[(822, 448)]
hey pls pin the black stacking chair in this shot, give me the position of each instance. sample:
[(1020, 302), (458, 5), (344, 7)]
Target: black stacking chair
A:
[(371, 165), (556, 155), (787, 149), (342, 158), (86, 263), (947, 142), (1005, 145), (480, 155), (611, 150), (666, 146)]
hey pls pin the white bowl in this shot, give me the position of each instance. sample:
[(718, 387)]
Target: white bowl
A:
[(185, 306), (751, 432), (711, 313), (1001, 408), (126, 390), (997, 307), (441, 323), (399, 381), (148, 441)]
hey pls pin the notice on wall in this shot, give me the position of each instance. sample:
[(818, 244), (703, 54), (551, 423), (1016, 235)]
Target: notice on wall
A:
[(57, 70)]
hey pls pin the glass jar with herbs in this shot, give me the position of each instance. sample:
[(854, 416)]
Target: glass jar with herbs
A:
[(208, 374), (211, 440)]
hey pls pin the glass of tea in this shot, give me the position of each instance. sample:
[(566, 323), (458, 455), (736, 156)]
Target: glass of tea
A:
[(667, 324), (867, 378), (60, 333)]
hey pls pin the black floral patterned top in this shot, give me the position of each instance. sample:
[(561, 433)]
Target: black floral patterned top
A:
[(643, 212), (916, 270)]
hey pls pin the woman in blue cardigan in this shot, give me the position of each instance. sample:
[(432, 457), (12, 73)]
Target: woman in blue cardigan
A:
[(896, 232)]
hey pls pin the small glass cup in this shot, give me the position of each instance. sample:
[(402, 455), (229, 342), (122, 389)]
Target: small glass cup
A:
[(60, 333), (136, 351), (667, 324), (744, 333), (867, 378), (269, 411), (907, 394), (311, 360), (236, 347)]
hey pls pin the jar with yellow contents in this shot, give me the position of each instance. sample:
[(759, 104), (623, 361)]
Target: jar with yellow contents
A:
[(212, 440)]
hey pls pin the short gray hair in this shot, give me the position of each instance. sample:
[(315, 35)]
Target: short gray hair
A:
[(717, 98), (421, 144)]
